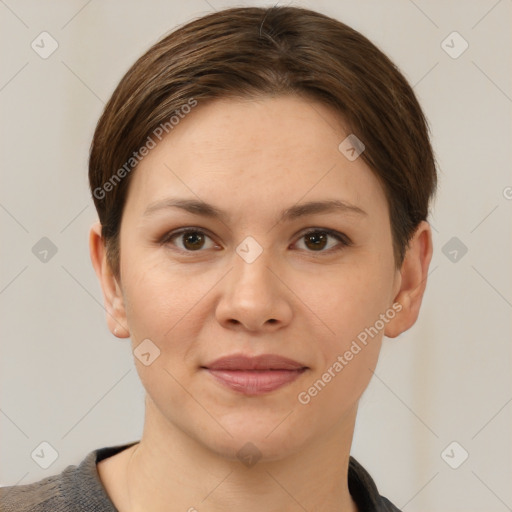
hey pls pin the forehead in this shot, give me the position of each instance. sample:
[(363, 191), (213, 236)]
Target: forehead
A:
[(256, 152)]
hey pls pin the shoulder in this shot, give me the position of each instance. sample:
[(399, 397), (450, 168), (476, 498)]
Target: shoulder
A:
[(75, 488), (40, 496), (364, 490)]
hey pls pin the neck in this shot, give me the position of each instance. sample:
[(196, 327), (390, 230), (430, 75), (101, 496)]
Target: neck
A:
[(169, 471)]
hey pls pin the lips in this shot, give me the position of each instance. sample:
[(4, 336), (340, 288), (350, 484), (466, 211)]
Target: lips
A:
[(263, 362), (255, 375)]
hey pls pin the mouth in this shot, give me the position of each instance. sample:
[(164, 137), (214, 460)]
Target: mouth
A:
[(254, 376)]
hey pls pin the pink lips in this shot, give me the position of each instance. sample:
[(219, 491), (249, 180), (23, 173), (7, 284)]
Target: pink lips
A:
[(255, 375)]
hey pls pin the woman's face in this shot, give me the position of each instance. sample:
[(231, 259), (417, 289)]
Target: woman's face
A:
[(242, 276)]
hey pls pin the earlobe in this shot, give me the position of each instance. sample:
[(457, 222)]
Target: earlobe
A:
[(112, 293), (413, 281)]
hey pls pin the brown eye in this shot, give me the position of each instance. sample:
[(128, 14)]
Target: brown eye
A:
[(193, 240), (316, 240), (189, 240), (324, 241)]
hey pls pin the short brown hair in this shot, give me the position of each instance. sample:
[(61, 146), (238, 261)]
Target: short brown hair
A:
[(248, 52)]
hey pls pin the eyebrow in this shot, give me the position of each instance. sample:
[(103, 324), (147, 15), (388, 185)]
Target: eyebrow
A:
[(204, 209)]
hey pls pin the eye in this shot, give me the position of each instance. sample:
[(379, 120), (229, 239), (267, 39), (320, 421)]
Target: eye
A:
[(317, 240), (189, 240)]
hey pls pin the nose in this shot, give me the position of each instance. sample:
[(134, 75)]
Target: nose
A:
[(253, 297)]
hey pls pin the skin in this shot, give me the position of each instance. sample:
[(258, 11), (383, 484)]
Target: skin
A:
[(252, 159)]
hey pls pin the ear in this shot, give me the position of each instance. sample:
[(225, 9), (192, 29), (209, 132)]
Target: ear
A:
[(112, 293), (412, 281)]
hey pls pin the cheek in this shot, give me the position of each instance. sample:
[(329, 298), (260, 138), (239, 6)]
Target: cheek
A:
[(155, 299), (338, 388), (160, 307), (166, 306), (352, 299), (351, 308)]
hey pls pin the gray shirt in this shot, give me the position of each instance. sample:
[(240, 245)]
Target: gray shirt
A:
[(79, 489)]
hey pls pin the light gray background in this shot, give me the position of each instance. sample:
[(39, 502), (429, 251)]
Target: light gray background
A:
[(67, 381)]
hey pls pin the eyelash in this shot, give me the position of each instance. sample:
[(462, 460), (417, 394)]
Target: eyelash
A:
[(342, 238)]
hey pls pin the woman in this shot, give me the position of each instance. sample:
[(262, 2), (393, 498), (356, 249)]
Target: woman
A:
[(262, 179)]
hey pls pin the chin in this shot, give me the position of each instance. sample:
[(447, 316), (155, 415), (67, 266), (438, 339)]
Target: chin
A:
[(252, 441)]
